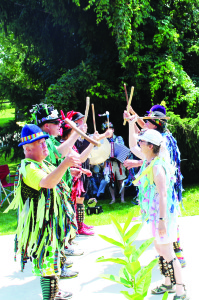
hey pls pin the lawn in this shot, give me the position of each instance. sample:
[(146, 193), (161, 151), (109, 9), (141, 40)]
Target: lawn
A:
[(8, 222), (7, 113)]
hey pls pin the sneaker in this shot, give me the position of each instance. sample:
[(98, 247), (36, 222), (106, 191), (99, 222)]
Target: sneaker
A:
[(68, 264), (87, 226), (61, 295), (182, 297), (73, 243), (85, 231), (73, 252), (162, 289), (67, 274)]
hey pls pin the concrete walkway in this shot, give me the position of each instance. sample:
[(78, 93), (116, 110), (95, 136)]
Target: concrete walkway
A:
[(16, 285)]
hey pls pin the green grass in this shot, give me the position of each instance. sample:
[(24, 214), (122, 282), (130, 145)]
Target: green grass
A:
[(191, 200), (8, 222), (7, 113), (120, 211)]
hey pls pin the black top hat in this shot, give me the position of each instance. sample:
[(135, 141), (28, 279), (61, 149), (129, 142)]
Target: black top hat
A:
[(44, 113)]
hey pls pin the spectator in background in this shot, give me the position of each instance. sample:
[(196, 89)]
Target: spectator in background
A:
[(113, 169)]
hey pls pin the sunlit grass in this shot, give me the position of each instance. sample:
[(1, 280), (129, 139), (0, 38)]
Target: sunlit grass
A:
[(8, 222), (191, 200), (7, 113)]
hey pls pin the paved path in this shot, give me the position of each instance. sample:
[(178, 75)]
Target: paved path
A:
[(16, 285)]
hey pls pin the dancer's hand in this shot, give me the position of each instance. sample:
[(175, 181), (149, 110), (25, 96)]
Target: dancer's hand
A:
[(109, 133), (87, 172), (76, 172), (127, 116), (83, 127), (73, 160), (132, 111), (96, 136)]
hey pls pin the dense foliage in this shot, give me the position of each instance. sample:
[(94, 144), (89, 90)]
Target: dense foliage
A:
[(63, 51)]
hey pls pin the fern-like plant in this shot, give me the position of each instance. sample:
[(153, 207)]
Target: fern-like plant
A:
[(131, 275)]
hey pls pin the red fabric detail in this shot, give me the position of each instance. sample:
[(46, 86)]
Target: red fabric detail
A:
[(67, 126), (62, 115), (70, 114), (111, 169), (120, 169), (77, 189), (75, 148)]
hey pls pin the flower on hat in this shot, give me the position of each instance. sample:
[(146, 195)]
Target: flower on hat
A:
[(105, 125), (70, 114), (43, 113)]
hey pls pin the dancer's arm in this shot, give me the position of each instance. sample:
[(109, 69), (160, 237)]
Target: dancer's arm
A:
[(160, 182)]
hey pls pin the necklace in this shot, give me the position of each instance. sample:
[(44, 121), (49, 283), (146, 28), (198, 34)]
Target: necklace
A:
[(148, 163)]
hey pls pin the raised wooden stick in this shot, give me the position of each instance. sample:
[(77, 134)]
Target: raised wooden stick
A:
[(87, 109), (129, 102), (93, 111), (150, 117), (86, 137)]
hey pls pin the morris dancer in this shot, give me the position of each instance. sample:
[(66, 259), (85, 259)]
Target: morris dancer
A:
[(45, 216), (47, 118), (80, 185), (161, 126), (157, 195)]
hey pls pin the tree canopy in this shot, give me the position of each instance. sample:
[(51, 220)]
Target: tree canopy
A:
[(61, 51)]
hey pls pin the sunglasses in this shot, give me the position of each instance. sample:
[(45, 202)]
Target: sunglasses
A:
[(141, 141), (55, 122)]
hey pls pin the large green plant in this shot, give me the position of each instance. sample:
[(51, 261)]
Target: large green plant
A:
[(131, 275)]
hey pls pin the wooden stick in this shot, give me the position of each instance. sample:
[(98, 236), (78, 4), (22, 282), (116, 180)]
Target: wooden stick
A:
[(150, 117), (93, 111), (87, 109), (86, 137), (129, 102)]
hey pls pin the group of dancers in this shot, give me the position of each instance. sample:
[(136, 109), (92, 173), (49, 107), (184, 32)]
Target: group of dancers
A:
[(52, 180)]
